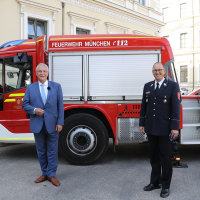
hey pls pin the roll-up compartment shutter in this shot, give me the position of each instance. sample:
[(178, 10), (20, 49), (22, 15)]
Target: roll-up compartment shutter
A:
[(114, 76), (67, 70)]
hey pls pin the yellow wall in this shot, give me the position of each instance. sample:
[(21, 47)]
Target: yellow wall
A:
[(9, 21), (105, 18)]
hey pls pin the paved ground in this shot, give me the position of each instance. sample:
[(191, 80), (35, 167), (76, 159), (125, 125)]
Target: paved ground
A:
[(119, 176)]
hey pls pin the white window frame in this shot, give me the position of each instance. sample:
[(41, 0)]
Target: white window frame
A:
[(83, 29), (183, 40), (24, 27), (143, 4), (187, 73), (75, 25), (198, 74), (183, 10), (165, 14), (35, 23), (89, 28), (199, 38), (24, 15)]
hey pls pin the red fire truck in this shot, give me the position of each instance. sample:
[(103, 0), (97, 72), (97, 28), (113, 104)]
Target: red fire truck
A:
[(102, 78)]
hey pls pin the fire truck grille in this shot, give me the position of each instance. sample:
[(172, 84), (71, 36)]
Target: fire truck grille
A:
[(128, 131)]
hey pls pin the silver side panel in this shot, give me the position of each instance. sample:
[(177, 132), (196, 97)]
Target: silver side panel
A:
[(68, 71), (128, 131), (190, 133), (102, 75), (115, 76)]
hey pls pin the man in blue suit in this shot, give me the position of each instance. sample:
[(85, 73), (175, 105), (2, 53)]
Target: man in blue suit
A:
[(43, 100), (159, 119)]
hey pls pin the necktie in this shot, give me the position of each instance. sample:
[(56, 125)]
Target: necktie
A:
[(43, 94), (157, 88)]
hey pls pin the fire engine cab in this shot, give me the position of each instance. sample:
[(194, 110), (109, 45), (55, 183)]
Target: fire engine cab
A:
[(102, 77)]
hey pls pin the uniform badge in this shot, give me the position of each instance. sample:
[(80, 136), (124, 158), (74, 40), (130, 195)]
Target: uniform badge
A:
[(165, 84), (148, 92), (151, 85), (179, 95)]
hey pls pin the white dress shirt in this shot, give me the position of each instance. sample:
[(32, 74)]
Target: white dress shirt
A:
[(160, 83)]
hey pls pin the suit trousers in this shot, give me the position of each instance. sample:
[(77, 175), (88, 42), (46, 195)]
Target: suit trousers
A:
[(161, 160), (47, 151)]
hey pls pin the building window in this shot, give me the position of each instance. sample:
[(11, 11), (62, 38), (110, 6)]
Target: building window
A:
[(165, 14), (199, 37), (81, 31), (183, 39), (183, 73), (36, 28), (183, 10), (142, 2), (199, 73)]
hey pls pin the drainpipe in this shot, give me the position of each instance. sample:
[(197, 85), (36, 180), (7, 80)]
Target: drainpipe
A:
[(193, 58), (63, 18)]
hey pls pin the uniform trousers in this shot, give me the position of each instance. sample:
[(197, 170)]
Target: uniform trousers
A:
[(161, 160), (47, 151)]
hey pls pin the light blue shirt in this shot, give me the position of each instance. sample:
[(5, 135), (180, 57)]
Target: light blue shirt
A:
[(45, 89)]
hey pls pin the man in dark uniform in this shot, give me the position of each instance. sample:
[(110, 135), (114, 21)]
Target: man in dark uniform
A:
[(159, 119)]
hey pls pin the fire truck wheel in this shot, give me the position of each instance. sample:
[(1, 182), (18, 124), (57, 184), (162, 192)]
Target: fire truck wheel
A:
[(84, 139)]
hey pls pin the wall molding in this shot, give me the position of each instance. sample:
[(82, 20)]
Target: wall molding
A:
[(124, 15), (39, 5), (74, 25), (112, 25)]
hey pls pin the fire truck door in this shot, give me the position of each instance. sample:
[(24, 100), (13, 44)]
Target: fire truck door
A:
[(1, 84), (16, 76)]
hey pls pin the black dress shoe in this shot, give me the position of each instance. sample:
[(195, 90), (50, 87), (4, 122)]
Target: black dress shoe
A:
[(151, 187), (164, 193)]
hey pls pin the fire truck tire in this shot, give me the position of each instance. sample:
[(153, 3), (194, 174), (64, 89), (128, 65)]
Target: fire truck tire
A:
[(84, 139)]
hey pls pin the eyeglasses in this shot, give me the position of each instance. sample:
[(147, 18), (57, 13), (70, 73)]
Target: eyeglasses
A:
[(40, 71), (157, 70)]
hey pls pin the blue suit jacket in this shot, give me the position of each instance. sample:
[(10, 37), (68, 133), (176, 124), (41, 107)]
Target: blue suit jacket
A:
[(53, 109), (160, 113)]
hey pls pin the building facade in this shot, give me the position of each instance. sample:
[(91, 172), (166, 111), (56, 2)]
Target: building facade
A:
[(22, 19), (182, 29)]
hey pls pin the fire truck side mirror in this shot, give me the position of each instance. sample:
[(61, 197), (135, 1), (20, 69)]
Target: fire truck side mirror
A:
[(21, 58), (10, 74)]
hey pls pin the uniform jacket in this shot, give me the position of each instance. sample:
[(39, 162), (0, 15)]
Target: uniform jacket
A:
[(53, 108), (160, 114)]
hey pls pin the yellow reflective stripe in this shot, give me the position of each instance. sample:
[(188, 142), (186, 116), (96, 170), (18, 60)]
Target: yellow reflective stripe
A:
[(28, 42), (105, 38), (39, 40), (10, 100), (17, 95), (1, 138)]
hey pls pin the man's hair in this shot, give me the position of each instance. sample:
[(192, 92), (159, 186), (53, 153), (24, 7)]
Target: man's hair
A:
[(158, 63), (40, 65)]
